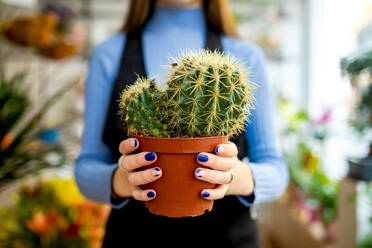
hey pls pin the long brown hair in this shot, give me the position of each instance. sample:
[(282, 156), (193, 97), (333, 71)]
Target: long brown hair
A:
[(217, 12)]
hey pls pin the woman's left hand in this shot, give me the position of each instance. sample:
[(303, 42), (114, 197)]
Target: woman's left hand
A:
[(232, 176)]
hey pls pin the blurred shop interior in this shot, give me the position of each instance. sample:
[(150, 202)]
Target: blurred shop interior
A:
[(319, 63)]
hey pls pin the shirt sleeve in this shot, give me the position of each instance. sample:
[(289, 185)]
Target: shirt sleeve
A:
[(93, 170), (269, 169)]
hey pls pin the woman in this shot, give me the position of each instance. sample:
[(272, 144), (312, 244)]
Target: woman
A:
[(153, 31)]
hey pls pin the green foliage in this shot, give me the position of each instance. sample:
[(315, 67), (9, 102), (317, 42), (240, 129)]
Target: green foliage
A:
[(162, 133), (304, 160), (22, 152), (208, 94), (313, 181), (354, 65), (366, 242), (362, 117)]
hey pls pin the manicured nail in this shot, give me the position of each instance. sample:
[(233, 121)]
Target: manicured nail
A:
[(203, 158), (205, 194), (150, 194), (200, 173), (150, 156), (156, 172), (135, 143), (220, 149)]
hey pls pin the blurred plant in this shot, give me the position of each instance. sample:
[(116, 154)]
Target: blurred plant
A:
[(52, 213), (63, 11), (355, 66), (52, 32), (25, 146), (304, 159)]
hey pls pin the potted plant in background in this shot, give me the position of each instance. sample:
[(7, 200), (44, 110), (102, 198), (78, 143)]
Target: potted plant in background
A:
[(25, 146), (209, 98), (359, 69), (51, 212)]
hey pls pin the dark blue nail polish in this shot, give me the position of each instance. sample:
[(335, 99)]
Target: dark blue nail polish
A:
[(217, 149), (198, 171), (156, 172), (205, 194), (203, 158), (150, 194), (150, 156), (135, 143)]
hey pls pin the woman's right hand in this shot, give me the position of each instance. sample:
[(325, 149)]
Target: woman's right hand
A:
[(127, 181)]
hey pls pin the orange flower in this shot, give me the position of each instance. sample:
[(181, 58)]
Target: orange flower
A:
[(39, 223), (6, 141), (53, 218), (97, 233), (104, 212)]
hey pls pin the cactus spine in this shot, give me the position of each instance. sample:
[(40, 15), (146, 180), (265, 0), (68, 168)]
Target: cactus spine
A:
[(139, 107), (209, 94)]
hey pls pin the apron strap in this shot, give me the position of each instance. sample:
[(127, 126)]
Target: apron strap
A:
[(131, 65)]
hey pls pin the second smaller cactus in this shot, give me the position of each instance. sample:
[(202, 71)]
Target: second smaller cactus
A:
[(139, 107)]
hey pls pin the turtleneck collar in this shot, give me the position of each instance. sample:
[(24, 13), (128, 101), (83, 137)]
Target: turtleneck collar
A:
[(164, 18)]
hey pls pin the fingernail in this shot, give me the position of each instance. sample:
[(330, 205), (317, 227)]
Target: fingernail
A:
[(134, 143), (205, 194), (200, 172), (156, 172), (150, 156), (150, 194), (203, 158), (220, 149)]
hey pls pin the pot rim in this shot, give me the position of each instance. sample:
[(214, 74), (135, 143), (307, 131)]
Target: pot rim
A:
[(180, 145), (178, 138)]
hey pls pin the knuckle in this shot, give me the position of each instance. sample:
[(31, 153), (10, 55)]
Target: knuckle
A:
[(227, 178), (136, 195), (146, 177), (221, 178), (124, 147), (130, 163), (218, 196), (124, 163), (228, 163), (140, 158), (131, 178), (137, 160), (121, 147)]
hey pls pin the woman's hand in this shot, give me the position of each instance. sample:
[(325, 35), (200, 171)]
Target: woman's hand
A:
[(127, 181), (221, 165)]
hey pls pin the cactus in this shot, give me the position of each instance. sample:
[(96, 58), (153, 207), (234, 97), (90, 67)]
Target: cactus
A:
[(139, 107), (209, 94)]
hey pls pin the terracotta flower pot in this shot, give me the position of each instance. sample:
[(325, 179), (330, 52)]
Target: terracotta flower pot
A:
[(178, 191)]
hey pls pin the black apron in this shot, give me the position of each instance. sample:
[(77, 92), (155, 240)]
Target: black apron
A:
[(228, 225)]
